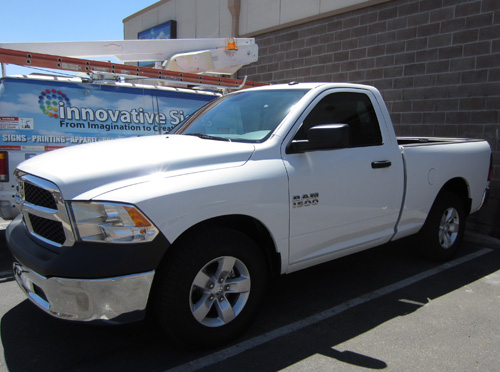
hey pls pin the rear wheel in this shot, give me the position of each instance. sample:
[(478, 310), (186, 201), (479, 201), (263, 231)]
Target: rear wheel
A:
[(442, 233), (210, 288)]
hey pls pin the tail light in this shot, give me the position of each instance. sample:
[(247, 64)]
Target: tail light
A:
[(4, 166)]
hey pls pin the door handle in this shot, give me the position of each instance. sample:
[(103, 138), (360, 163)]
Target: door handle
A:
[(381, 164)]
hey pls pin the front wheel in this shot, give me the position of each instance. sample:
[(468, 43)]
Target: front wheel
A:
[(442, 233), (210, 287)]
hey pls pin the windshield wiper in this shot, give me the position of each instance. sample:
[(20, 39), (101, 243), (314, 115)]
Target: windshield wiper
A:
[(207, 136)]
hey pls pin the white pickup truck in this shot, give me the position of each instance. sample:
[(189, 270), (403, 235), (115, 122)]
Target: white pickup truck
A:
[(193, 225)]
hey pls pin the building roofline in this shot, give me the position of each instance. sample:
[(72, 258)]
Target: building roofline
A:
[(152, 6)]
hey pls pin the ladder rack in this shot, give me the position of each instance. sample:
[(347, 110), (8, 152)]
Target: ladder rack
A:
[(23, 58)]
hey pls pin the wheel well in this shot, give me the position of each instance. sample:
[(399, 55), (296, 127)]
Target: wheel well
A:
[(459, 187), (248, 226)]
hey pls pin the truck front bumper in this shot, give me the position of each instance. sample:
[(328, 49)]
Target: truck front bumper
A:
[(87, 281), (116, 300)]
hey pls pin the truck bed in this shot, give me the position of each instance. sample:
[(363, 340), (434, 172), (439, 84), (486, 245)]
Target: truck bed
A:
[(432, 162)]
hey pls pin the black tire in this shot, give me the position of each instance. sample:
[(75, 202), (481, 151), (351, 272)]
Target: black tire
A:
[(443, 231), (210, 287)]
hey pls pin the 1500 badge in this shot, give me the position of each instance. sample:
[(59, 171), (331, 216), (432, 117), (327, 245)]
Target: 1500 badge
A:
[(305, 200)]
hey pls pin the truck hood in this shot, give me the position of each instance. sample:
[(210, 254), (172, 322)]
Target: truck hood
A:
[(86, 171)]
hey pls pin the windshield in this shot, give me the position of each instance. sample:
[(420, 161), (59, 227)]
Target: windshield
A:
[(249, 116)]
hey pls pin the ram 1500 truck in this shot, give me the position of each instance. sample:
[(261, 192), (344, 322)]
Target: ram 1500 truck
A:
[(193, 225)]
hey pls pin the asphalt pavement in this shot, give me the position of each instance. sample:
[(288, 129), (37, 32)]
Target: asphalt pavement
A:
[(383, 309)]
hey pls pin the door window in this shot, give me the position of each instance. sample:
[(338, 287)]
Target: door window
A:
[(353, 109)]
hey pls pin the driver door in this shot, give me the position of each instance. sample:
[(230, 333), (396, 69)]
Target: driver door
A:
[(343, 199)]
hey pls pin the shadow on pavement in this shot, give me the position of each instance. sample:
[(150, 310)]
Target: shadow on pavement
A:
[(35, 341)]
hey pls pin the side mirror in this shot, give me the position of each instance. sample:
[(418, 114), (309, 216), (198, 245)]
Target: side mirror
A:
[(324, 137)]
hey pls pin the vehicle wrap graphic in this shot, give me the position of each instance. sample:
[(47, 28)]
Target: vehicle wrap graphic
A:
[(38, 115), (51, 101)]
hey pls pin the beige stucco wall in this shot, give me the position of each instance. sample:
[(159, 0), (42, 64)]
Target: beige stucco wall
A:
[(212, 18), (259, 15), (195, 18)]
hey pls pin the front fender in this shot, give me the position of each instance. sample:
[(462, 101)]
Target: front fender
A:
[(257, 189)]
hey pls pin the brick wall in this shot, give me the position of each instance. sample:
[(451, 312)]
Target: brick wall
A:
[(436, 62)]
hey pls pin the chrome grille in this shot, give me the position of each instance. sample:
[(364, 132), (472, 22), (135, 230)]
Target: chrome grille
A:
[(44, 212), (38, 196), (48, 229)]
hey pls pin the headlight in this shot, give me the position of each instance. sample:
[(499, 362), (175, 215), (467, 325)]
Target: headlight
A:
[(111, 222)]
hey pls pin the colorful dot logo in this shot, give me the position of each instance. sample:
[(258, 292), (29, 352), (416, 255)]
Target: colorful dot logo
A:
[(50, 100)]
